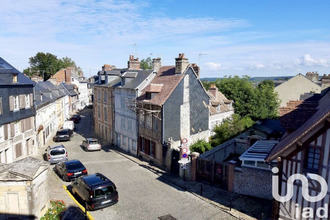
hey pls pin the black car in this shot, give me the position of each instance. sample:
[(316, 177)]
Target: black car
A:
[(96, 189), (63, 135), (70, 170), (75, 118)]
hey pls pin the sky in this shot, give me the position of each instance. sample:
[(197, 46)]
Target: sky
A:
[(224, 37)]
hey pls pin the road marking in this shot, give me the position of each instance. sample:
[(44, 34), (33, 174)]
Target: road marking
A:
[(90, 217)]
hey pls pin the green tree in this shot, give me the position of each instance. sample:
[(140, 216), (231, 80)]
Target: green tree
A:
[(258, 102), (47, 64), (267, 101), (230, 128), (146, 64), (206, 84), (200, 146)]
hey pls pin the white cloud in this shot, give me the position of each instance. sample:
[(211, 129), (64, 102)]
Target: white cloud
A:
[(212, 66), (308, 60)]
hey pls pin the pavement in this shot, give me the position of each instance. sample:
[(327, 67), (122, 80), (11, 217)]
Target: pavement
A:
[(238, 206)]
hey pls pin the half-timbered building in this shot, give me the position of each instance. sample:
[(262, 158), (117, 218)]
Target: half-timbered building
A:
[(304, 151)]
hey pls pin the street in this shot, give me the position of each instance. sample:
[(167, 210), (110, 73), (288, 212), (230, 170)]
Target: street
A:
[(142, 194)]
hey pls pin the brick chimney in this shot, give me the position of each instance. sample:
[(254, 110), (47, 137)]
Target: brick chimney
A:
[(156, 64), (196, 69), (181, 64), (325, 81), (132, 63), (213, 90), (107, 67)]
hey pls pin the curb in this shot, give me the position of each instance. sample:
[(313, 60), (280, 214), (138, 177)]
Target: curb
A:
[(90, 217)]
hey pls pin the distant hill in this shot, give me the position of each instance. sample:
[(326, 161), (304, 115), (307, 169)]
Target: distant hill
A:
[(256, 79)]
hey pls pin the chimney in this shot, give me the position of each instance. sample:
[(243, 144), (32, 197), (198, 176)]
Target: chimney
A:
[(196, 69), (107, 67), (181, 64), (132, 63), (156, 64), (213, 90)]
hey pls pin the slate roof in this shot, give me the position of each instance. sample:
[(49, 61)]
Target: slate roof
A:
[(220, 100), (69, 88), (5, 67), (140, 76), (166, 76), (49, 93), (22, 170), (321, 114)]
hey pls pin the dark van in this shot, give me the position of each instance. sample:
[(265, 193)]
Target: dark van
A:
[(96, 189)]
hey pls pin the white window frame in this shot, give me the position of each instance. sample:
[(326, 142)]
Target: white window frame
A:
[(27, 101), (16, 103)]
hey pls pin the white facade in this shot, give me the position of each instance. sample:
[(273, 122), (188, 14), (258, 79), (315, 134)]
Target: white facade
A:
[(217, 119), (83, 96), (46, 123)]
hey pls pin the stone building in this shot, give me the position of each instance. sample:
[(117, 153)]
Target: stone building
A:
[(23, 189), (173, 106), (17, 129)]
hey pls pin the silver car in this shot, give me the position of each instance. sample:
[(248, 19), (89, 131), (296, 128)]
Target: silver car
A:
[(91, 144), (56, 154)]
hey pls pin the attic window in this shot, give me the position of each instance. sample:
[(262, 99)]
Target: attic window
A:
[(14, 78), (150, 95)]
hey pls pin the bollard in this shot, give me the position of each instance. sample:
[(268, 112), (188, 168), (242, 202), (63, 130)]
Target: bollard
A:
[(230, 204), (262, 216)]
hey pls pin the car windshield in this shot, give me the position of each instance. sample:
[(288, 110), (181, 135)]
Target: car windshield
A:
[(74, 166), (105, 190), (93, 142), (62, 133), (57, 152)]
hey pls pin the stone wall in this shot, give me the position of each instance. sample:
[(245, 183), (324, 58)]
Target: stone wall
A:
[(253, 182)]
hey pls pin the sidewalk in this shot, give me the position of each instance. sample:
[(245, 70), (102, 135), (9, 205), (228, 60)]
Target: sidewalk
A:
[(239, 206)]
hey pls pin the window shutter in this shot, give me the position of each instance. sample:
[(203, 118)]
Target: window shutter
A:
[(11, 103), (31, 100), (21, 101), (18, 150), (23, 125), (6, 131), (12, 129)]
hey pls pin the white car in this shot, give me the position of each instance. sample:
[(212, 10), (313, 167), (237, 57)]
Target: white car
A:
[(68, 125), (91, 144)]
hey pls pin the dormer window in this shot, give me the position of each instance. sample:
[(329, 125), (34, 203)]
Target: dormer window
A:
[(14, 78), (150, 95)]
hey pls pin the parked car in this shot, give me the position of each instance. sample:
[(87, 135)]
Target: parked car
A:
[(56, 154), (63, 135), (70, 170), (91, 144), (68, 125), (75, 118), (96, 189)]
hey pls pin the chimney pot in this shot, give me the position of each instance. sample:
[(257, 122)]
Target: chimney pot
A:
[(181, 63)]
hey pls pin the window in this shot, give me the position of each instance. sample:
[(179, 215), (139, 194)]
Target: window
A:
[(152, 148), (16, 103), (16, 128), (14, 78), (148, 95), (105, 96), (122, 121), (155, 124), (149, 121), (133, 145), (142, 147), (122, 103), (312, 160), (129, 125), (98, 95), (0, 105), (99, 112), (123, 140), (105, 114), (142, 118), (27, 101)]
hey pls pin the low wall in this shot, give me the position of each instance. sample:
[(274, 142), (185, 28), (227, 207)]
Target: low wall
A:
[(253, 182)]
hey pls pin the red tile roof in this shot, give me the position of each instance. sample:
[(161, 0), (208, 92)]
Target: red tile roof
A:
[(322, 113), (166, 76)]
